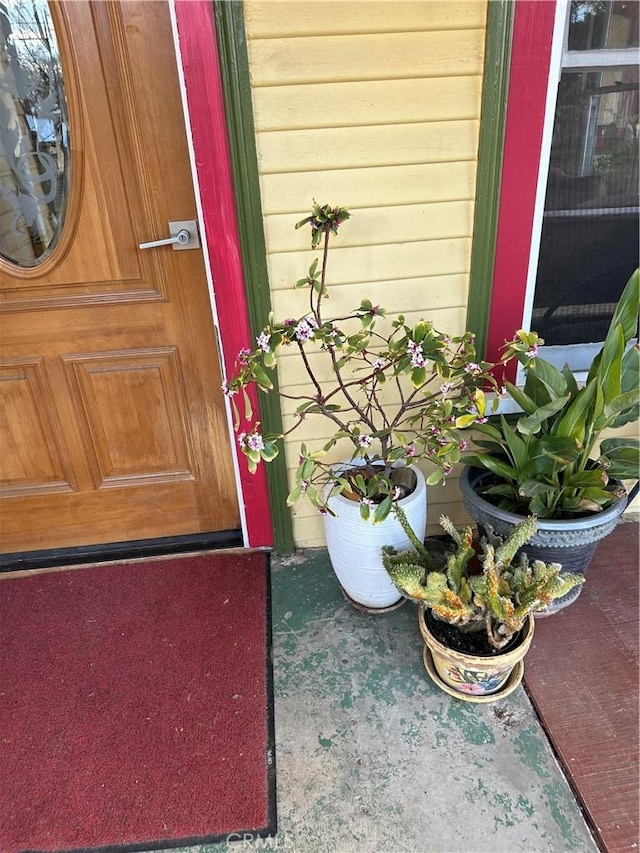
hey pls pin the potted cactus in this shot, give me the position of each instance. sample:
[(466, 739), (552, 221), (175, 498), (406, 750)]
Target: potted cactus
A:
[(476, 605)]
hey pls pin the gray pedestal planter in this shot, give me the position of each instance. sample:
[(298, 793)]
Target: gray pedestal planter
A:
[(570, 542)]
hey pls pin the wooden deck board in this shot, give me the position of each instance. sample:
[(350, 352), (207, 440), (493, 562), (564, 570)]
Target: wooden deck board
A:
[(582, 676)]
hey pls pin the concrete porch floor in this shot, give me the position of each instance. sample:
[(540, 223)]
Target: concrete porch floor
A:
[(373, 758)]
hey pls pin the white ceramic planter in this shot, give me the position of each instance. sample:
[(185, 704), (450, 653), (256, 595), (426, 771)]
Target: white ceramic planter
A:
[(355, 545)]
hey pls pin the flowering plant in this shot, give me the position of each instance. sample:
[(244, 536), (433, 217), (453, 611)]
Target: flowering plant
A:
[(396, 394)]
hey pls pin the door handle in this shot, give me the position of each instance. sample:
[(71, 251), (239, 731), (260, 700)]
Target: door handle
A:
[(184, 235)]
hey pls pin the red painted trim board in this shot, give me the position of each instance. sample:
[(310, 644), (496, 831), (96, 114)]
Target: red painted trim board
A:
[(200, 64), (531, 53)]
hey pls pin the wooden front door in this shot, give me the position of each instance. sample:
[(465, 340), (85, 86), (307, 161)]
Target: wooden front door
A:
[(112, 421)]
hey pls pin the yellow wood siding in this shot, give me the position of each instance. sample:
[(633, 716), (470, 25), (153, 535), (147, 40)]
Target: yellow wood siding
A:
[(374, 106)]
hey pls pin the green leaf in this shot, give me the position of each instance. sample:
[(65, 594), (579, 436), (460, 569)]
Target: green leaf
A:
[(235, 414), (585, 479), (505, 489), (532, 423), (521, 398), (418, 376), (435, 477), (538, 507), (622, 457), (630, 382), (626, 313), (383, 509), (489, 429), (553, 378), (517, 447), (610, 373), (611, 446), (248, 409), (465, 421), (562, 449), (498, 467), (419, 332), (572, 385), (536, 389), (294, 494), (573, 422), (625, 316), (269, 452), (262, 377), (364, 511), (531, 488), (624, 403)]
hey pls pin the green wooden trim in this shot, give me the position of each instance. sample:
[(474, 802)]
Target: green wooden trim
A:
[(234, 68), (490, 150)]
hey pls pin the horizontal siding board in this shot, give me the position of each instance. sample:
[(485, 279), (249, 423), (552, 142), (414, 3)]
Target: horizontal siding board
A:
[(379, 186), (379, 56), (401, 224), (424, 294), (352, 147), (275, 18), (361, 103), (364, 264)]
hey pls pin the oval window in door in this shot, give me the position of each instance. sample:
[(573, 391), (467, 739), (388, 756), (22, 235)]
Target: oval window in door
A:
[(34, 134)]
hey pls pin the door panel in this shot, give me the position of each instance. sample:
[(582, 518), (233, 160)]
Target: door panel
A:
[(113, 422)]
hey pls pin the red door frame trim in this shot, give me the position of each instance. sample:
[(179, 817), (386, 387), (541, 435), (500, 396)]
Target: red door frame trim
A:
[(528, 81), (201, 71)]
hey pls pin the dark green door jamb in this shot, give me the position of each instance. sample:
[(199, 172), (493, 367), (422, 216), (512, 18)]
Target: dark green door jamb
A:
[(490, 150), (234, 68)]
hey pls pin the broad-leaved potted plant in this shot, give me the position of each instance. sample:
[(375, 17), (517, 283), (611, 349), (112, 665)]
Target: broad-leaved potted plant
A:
[(552, 461), (393, 392)]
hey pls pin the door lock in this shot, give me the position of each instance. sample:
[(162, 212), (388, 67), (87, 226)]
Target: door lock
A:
[(184, 235)]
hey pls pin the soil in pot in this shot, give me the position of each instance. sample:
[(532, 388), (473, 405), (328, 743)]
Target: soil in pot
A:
[(467, 642)]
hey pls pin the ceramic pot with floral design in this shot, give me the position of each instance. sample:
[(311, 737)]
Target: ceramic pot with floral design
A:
[(473, 676)]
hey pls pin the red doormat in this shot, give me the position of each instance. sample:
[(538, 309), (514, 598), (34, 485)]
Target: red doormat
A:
[(136, 705)]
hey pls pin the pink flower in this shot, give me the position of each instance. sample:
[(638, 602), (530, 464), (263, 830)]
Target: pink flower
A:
[(417, 355), (263, 341), (410, 450), (255, 441), (364, 440), (228, 392), (243, 355), (304, 331)]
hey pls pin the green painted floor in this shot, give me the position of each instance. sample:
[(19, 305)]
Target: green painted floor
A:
[(373, 758)]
